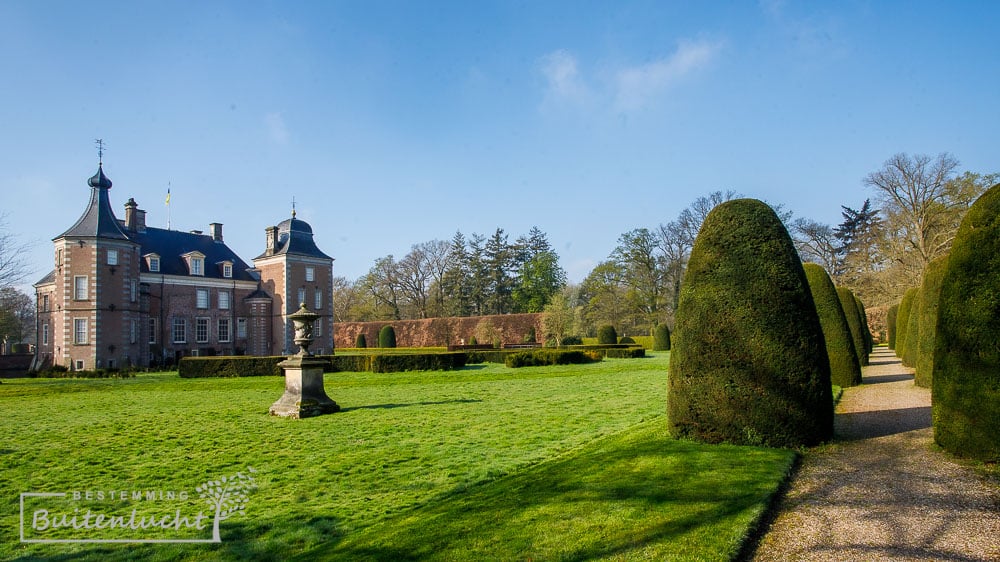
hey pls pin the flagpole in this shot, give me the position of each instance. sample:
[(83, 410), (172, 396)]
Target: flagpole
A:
[(168, 205)]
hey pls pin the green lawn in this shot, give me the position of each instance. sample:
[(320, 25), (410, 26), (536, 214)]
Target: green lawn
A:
[(548, 463)]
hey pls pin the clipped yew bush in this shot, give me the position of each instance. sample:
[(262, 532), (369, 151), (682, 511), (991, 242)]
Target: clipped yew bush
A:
[(361, 341), (966, 383), (912, 331), (661, 338), (890, 325), (387, 336), (748, 364), (606, 335), (903, 320), (845, 369), (927, 311), (866, 331), (853, 317)]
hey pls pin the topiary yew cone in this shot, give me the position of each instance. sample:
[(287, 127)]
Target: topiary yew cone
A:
[(748, 364), (965, 384), (845, 367)]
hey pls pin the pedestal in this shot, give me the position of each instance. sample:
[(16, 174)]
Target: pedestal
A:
[(304, 394)]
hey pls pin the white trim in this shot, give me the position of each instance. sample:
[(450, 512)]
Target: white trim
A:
[(293, 258), (155, 278)]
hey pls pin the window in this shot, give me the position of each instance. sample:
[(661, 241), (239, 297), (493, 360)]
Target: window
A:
[(224, 328), (45, 303), (227, 270), (152, 330), (197, 266), (310, 274), (302, 297), (58, 257), (79, 364), (223, 300), (318, 328), (80, 287), (112, 257), (133, 291), (154, 263), (45, 334), (180, 330), (80, 330), (201, 330), (241, 328), (202, 298), (133, 331), (318, 300)]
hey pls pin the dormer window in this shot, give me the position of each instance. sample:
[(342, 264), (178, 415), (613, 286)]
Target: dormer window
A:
[(196, 263), (227, 269), (153, 262)]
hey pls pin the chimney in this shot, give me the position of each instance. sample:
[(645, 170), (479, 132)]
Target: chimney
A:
[(140, 220), (130, 218), (216, 230), (271, 240)]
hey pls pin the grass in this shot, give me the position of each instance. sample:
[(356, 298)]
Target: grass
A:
[(565, 462)]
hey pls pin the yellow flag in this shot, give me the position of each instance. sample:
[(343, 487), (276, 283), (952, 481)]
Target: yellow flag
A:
[(168, 196)]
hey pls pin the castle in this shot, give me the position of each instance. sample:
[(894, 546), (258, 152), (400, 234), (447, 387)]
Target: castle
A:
[(126, 294)]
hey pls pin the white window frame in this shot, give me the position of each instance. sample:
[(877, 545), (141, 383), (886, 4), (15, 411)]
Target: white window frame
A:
[(133, 330), (241, 328), (198, 266), (112, 256), (133, 290), (202, 298), (81, 289), (227, 270), (224, 300), (225, 336), (152, 330), (45, 333), (302, 297), (318, 299), (81, 331), (201, 325), (318, 328), (154, 264), (45, 303), (310, 274), (178, 326)]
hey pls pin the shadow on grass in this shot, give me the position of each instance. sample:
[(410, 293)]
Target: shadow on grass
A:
[(640, 493), (391, 406)]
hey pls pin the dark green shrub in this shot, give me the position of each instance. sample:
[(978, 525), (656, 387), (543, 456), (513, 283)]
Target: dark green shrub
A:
[(472, 341), (542, 357), (626, 340), (890, 324), (748, 363), (572, 340), (850, 306), (912, 332), (927, 311), (607, 334), (631, 352), (530, 337), (417, 362), (845, 369), (903, 320), (661, 338), (226, 366), (387, 336), (965, 385), (866, 331), (361, 342)]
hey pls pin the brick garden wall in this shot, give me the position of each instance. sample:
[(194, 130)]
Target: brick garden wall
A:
[(439, 332)]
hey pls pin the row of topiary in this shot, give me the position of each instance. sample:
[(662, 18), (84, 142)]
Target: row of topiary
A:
[(248, 366), (948, 330), (759, 339)]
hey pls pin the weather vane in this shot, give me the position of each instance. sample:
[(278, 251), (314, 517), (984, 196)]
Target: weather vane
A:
[(100, 150), (293, 206)]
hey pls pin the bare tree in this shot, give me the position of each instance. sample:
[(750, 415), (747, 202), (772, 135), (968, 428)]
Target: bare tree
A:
[(816, 242), (13, 256), (17, 316)]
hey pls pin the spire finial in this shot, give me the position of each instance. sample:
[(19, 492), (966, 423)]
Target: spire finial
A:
[(100, 151), (293, 206)]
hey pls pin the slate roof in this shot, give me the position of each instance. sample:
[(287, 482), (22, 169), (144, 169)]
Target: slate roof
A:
[(98, 219), (295, 237), (171, 245)]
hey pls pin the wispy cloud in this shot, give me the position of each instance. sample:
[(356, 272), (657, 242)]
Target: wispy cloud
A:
[(638, 86), (565, 85), (622, 88), (276, 128)]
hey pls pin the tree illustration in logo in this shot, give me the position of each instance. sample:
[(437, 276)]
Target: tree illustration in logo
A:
[(227, 496)]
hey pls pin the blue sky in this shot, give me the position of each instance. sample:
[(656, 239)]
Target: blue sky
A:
[(394, 123)]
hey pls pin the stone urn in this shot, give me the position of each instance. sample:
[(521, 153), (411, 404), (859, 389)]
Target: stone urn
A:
[(304, 395)]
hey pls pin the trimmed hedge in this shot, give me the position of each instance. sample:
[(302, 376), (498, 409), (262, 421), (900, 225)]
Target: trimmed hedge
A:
[(224, 366), (903, 320), (890, 325), (748, 364), (927, 312), (607, 335), (361, 342), (965, 386), (63, 373), (913, 331), (850, 306), (247, 366), (542, 357), (387, 337), (661, 338), (845, 369)]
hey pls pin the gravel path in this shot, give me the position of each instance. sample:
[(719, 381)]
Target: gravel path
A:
[(881, 491)]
